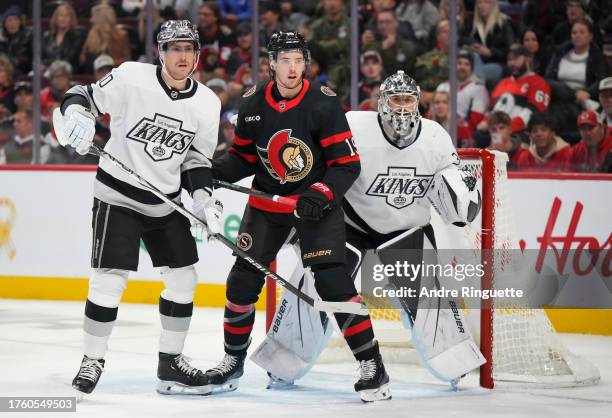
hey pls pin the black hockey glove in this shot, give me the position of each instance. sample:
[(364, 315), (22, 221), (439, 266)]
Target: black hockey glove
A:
[(314, 201)]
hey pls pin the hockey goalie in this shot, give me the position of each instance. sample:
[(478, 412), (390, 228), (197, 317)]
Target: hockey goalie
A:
[(408, 165)]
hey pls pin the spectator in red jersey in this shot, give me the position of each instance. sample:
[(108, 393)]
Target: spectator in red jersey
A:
[(472, 99), (60, 76), (217, 41), (502, 139), (523, 93), (589, 155), (547, 151)]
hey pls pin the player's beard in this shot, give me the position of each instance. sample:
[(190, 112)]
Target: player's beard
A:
[(519, 71)]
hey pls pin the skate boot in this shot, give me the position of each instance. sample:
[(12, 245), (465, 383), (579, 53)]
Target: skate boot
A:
[(178, 377), (87, 378), (225, 376), (373, 383)]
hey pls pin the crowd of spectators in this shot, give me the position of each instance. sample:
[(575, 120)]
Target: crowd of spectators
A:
[(535, 76)]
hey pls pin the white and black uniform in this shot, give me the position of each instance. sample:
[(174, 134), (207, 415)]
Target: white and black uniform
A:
[(390, 194), (166, 136)]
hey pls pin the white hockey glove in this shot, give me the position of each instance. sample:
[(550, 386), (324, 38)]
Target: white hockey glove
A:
[(454, 196), (79, 128), (208, 209)]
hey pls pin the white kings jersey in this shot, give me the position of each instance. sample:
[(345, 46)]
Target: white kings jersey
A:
[(157, 131), (390, 193)]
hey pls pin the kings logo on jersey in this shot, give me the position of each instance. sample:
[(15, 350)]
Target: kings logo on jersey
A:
[(286, 158), (163, 136), (400, 186)]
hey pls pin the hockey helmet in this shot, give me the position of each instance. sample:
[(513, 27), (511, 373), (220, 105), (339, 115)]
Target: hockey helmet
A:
[(287, 41), (178, 30), (398, 107)]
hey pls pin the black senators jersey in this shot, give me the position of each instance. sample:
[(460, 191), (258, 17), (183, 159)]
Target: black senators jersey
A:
[(290, 144)]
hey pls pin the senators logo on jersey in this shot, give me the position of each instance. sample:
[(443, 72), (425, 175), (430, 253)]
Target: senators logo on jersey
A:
[(400, 186), (286, 158), (163, 136)]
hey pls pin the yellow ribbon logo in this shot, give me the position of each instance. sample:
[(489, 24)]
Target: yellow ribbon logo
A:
[(6, 224)]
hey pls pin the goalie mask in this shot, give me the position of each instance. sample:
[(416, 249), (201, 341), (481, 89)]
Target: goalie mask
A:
[(398, 108), (178, 30)]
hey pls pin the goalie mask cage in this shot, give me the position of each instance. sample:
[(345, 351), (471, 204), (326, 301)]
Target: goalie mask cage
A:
[(519, 344)]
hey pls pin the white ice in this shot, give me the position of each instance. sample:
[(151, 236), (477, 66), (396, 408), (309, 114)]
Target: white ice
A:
[(40, 351)]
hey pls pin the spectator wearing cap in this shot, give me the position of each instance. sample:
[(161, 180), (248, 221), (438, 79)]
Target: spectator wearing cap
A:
[(269, 18), (24, 98), (7, 105), (573, 74), (235, 10), (331, 33), (547, 150), (227, 128), (102, 65), (16, 40), (605, 99), (242, 53), (371, 69), (60, 77), (502, 139), (492, 35), (217, 41), (523, 93), (104, 37), (595, 146), (219, 87), (63, 41), (431, 68), (397, 53), (472, 99)]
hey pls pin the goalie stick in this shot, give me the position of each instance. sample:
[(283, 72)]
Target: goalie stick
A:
[(346, 307)]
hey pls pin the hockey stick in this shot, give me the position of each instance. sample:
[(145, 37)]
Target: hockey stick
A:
[(286, 201), (346, 307)]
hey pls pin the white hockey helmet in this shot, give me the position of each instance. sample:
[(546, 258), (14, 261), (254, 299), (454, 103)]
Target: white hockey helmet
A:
[(398, 107), (178, 30)]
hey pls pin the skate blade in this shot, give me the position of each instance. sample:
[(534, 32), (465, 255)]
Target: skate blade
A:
[(165, 387), (79, 395), (373, 395), (229, 386), (278, 384)]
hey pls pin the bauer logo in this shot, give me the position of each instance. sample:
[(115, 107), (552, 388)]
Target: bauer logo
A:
[(400, 186), (163, 136)]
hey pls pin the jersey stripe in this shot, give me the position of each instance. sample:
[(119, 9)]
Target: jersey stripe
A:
[(326, 142), (251, 158), (343, 160), (242, 141)]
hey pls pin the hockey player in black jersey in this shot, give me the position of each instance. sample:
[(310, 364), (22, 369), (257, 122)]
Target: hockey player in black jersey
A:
[(294, 137)]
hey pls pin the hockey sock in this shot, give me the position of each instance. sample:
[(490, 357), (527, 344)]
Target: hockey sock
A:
[(358, 333), (97, 328), (175, 319), (237, 326)]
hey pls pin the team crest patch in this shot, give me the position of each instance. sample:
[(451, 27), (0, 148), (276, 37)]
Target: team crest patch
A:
[(163, 136), (286, 158), (327, 91), (244, 241), (400, 186), (250, 91)]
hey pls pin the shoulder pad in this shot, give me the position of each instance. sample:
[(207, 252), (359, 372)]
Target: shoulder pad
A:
[(250, 91)]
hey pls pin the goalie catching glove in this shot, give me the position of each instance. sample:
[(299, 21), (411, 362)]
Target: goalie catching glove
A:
[(79, 128), (454, 195), (208, 209)]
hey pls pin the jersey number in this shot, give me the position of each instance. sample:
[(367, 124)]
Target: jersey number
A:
[(350, 142)]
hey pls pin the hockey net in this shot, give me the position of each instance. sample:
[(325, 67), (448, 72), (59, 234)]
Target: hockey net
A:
[(520, 344)]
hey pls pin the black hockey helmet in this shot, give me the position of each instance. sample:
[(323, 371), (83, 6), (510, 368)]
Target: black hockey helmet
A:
[(178, 30), (287, 41)]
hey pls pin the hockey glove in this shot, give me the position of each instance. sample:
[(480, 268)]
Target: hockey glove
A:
[(79, 128), (314, 201), (208, 209)]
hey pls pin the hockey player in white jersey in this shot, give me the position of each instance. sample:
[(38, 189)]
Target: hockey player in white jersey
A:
[(408, 163), (164, 126)]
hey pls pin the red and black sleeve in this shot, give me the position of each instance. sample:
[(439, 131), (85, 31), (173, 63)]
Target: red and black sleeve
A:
[(339, 151)]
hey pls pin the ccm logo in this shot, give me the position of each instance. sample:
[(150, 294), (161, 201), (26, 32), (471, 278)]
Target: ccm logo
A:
[(255, 118)]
